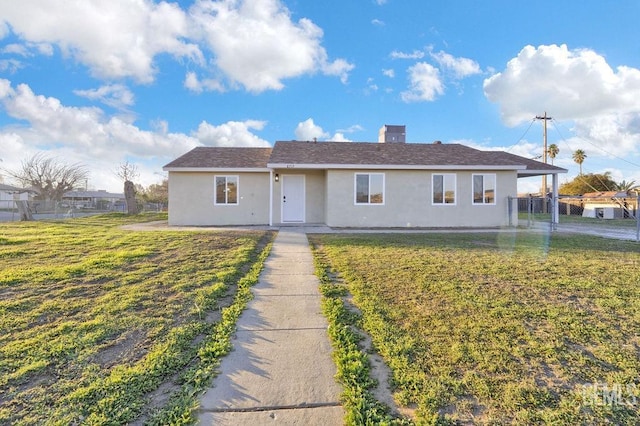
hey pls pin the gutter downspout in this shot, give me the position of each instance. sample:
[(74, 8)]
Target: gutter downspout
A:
[(555, 212), (270, 197)]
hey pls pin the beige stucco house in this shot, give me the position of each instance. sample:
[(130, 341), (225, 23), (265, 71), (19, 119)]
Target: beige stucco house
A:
[(355, 184)]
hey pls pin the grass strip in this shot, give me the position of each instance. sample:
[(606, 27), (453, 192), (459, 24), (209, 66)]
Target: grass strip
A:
[(353, 364), (182, 407)]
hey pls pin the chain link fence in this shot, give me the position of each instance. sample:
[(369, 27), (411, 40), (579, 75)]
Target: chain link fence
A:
[(11, 211), (611, 216)]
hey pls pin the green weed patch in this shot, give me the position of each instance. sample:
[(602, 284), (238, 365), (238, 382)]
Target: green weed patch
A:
[(498, 328), (104, 326), (353, 364)]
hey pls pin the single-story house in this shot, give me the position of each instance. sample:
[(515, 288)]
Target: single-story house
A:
[(608, 204), (98, 200), (10, 194), (348, 184)]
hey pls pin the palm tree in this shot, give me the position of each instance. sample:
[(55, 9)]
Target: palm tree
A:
[(579, 156), (553, 150), (626, 186)]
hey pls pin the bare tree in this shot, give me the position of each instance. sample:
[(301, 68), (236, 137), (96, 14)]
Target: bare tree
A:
[(49, 177), (128, 172)]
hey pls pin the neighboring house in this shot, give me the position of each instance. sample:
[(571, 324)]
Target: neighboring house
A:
[(348, 184), (608, 205), (96, 200), (9, 194)]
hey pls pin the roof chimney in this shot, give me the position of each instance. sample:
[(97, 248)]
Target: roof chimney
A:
[(392, 134)]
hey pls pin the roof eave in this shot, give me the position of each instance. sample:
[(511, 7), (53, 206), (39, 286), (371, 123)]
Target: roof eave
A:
[(395, 166), (217, 169)]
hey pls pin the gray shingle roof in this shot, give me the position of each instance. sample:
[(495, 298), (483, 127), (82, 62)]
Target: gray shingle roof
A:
[(368, 153), (357, 154), (401, 154), (223, 157)]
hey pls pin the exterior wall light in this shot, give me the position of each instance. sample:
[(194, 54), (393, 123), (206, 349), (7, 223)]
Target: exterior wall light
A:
[(277, 178)]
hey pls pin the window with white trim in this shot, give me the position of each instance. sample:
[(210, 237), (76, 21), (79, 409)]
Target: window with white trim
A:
[(484, 189), (226, 190), (369, 188), (443, 188)]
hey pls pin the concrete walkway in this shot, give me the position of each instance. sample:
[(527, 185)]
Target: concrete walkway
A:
[(280, 370)]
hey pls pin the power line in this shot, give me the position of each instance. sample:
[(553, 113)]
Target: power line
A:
[(593, 144), (581, 177), (523, 135)]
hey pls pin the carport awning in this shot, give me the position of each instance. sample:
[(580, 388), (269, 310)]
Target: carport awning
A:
[(530, 173), (532, 167)]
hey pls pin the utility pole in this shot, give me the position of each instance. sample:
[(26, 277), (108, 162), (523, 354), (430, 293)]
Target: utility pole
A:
[(544, 119)]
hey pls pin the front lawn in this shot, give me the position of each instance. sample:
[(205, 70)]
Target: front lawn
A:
[(104, 326), (498, 328)]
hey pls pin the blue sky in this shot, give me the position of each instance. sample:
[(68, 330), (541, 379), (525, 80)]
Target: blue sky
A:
[(100, 83)]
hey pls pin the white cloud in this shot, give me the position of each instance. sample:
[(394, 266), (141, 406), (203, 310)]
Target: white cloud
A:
[(115, 95), (371, 86), (194, 84), (89, 136), (613, 134), (26, 49), (42, 48), (461, 67), (416, 54), (15, 49), (377, 22), (352, 129), (307, 130), (13, 147), (339, 68), (115, 39), (257, 45), (577, 85), (524, 149), (10, 65), (232, 133), (252, 44), (425, 83), (339, 137), (570, 84), (5, 88), (389, 73)]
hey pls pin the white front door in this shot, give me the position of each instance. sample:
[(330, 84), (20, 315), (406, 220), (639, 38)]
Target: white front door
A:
[(292, 198)]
